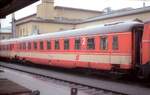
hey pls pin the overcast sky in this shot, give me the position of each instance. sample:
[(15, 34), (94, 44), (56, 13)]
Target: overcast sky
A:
[(84, 4)]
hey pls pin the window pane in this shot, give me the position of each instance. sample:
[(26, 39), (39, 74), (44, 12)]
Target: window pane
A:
[(103, 43), (29, 45), (115, 42), (56, 44), (90, 43), (66, 44), (20, 46), (10, 47), (7, 47), (35, 45), (48, 45), (24, 46), (77, 44), (4, 47), (41, 45)]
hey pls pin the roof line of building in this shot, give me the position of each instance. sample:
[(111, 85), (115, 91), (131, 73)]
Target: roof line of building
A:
[(71, 8), (118, 14), (60, 7), (26, 17), (101, 17), (47, 21)]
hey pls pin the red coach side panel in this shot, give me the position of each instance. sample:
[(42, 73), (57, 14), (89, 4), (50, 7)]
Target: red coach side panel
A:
[(146, 44)]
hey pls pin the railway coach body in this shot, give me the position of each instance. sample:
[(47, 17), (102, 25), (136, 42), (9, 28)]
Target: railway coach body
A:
[(146, 44), (115, 46)]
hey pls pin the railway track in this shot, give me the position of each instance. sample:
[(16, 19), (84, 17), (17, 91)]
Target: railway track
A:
[(87, 85)]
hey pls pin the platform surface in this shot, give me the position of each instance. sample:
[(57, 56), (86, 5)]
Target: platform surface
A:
[(44, 86), (8, 87), (127, 88)]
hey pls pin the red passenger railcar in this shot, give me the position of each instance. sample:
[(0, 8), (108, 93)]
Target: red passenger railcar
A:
[(119, 47)]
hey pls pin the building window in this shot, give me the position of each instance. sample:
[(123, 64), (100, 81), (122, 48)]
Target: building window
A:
[(103, 43), (77, 44), (90, 43), (41, 45), (35, 45), (35, 29), (48, 44), (66, 44), (20, 32), (23, 31), (56, 44), (115, 42), (29, 45)]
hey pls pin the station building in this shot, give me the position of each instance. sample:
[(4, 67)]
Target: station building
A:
[(50, 18), (5, 33)]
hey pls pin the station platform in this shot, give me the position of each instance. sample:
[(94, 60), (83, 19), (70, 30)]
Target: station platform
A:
[(33, 84), (8, 87)]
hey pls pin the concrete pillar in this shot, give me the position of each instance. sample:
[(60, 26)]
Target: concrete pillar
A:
[(13, 25)]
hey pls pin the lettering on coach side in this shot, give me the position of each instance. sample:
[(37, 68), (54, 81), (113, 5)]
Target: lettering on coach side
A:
[(83, 40)]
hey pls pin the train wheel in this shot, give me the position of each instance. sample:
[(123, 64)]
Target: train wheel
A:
[(140, 73)]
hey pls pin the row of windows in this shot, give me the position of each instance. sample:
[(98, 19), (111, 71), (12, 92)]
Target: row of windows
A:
[(6, 47), (77, 45)]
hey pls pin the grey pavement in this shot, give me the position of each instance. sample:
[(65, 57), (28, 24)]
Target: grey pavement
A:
[(33, 83)]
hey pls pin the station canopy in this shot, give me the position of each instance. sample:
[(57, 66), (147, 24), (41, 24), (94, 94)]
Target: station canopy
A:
[(10, 6)]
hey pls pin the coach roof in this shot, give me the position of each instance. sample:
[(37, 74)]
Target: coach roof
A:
[(93, 30)]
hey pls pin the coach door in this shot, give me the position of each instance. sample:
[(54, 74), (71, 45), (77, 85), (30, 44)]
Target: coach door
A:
[(137, 38)]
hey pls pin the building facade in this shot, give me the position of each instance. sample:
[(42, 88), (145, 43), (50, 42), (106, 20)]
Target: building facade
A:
[(142, 14), (50, 18)]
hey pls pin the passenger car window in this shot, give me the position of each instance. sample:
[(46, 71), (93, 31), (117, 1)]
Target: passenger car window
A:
[(35, 45), (90, 43), (48, 44), (56, 44), (24, 45), (115, 42), (103, 43), (66, 44), (41, 45), (77, 44), (29, 45), (20, 46)]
